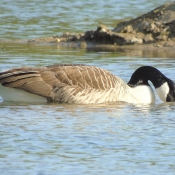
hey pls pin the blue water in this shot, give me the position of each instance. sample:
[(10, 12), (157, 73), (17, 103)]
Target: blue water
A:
[(65, 139), (51, 139)]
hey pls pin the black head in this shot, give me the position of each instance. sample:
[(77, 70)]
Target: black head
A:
[(163, 85), (171, 95)]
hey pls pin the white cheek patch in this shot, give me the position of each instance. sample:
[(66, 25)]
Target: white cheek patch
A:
[(163, 91)]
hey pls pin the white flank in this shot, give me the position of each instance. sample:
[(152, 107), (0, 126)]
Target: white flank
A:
[(12, 94), (163, 91), (138, 95)]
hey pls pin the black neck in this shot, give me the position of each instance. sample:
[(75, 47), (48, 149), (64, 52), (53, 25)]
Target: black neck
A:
[(143, 74)]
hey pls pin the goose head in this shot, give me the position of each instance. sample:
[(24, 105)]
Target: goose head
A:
[(165, 87)]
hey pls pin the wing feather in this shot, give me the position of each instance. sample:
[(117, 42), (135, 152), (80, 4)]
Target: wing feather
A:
[(84, 76)]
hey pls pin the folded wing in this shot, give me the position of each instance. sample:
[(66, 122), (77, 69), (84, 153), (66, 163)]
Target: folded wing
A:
[(58, 82)]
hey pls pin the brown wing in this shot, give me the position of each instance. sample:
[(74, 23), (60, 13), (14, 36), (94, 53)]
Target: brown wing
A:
[(84, 76), (47, 81)]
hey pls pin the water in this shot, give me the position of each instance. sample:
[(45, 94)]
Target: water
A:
[(66, 139)]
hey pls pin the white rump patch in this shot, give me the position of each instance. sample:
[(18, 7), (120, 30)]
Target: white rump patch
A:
[(163, 91), (12, 94)]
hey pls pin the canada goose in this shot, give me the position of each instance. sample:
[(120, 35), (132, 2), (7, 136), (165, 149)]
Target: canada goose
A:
[(81, 84)]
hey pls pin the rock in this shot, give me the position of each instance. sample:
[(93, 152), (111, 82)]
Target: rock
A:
[(127, 29), (136, 41), (159, 24), (148, 38), (161, 38)]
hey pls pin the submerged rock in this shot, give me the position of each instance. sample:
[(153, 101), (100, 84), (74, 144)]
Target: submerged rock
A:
[(156, 27)]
